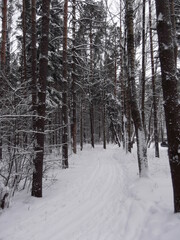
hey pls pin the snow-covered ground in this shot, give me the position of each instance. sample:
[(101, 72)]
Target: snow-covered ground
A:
[(100, 197)]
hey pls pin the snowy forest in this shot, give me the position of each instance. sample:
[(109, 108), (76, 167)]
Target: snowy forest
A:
[(82, 76)]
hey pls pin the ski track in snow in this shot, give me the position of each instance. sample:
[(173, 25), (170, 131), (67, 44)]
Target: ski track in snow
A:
[(99, 198)]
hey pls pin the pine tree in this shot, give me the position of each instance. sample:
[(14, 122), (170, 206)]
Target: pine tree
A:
[(143, 64), (65, 93), (170, 93), (74, 124), (3, 62), (41, 102)]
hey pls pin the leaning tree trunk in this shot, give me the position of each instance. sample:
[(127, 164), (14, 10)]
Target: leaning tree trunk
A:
[(41, 105), (136, 116), (170, 93), (64, 94)]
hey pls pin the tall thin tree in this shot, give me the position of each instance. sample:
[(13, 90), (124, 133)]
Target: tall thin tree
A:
[(34, 71), (65, 94), (143, 78), (156, 136), (34, 60), (4, 35), (24, 20), (41, 104), (91, 106), (121, 76), (74, 127), (136, 116), (3, 58)]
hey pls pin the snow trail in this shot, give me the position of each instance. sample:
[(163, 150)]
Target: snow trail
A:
[(100, 197)]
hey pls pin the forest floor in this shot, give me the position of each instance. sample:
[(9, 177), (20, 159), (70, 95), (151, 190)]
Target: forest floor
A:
[(100, 197)]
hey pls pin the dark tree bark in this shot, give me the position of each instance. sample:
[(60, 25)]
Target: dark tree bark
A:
[(104, 84), (74, 127), (34, 62), (99, 125), (136, 116), (41, 105), (64, 94), (91, 114), (81, 125), (115, 68), (173, 21), (122, 81), (9, 32), (34, 82), (156, 135), (143, 64), (170, 93), (104, 124), (4, 35), (24, 42), (3, 59), (91, 107)]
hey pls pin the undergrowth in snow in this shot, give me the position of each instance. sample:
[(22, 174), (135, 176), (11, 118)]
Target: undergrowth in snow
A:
[(100, 197)]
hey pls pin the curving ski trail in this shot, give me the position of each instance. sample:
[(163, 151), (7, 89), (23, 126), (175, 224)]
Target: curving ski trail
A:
[(99, 198)]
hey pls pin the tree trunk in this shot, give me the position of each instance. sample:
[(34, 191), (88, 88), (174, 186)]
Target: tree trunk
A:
[(104, 84), (64, 94), (24, 44), (128, 117), (8, 35), (74, 127), (99, 125), (115, 72), (173, 21), (121, 76), (91, 114), (41, 107), (156, 135), (140, 136), (81, 125), (91, 107), (3, 61), (4, 35), (104, 124), (34, 63), (143, 65), (170, 93)]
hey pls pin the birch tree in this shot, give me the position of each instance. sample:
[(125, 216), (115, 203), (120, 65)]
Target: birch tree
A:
[(136, 116)]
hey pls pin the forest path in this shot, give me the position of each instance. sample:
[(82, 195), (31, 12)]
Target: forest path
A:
[(100, 197)]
